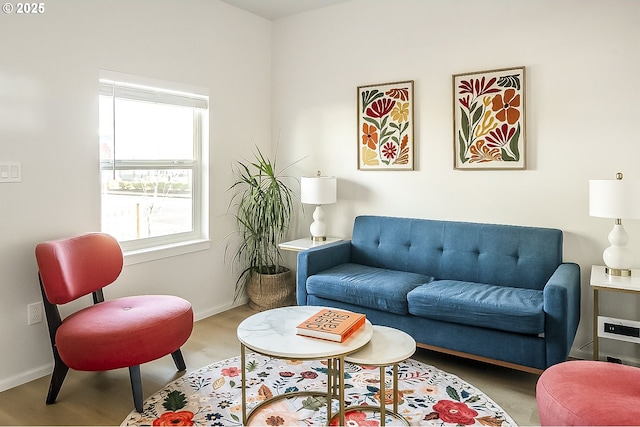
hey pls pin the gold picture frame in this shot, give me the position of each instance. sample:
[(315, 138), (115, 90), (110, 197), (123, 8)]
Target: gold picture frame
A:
[(489, 119), (385, 126)]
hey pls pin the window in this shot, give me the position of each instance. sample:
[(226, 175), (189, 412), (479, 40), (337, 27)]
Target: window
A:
[(151, 153)]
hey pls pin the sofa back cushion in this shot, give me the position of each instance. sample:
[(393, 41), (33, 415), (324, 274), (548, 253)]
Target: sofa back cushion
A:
[(502, 255)]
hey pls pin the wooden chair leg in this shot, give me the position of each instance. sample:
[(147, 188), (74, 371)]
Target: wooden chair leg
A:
[(179, 360), (57, 378), (136, 386), (59, 368)]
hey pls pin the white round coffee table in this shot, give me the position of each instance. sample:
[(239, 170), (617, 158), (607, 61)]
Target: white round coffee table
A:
[(388, 346), (273, 333)]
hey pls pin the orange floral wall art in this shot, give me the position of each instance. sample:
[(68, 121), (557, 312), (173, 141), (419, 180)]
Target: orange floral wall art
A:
[(489, 119), (385, 126)]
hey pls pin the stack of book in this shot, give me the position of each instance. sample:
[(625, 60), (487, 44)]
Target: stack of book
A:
[(331, 324)]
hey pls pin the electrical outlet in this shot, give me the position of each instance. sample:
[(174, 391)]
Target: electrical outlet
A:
[(34, 313)]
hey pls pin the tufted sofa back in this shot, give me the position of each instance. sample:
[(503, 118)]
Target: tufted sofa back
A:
[(503, 255)]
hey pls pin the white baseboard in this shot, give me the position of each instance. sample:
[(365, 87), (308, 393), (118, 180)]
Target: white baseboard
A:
[(26, 377), (219, 309)]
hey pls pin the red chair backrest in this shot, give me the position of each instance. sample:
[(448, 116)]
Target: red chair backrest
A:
[(77, 266)]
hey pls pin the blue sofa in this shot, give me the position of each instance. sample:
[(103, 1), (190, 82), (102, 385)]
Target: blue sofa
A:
[(497, 293)]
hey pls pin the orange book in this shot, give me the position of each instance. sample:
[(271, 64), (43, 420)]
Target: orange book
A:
[(331, 324)]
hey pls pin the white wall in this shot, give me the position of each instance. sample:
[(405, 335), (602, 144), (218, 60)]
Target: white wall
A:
[(49, 121), (582, 62)]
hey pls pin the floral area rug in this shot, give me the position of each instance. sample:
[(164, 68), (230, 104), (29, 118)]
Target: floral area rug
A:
[(212, 396)]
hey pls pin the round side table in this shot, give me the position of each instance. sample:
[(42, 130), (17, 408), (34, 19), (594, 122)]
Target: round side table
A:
[(388, 346), (273, 333)]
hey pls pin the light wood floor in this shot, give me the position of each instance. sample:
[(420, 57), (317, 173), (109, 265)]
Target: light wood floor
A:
[(104, 398)]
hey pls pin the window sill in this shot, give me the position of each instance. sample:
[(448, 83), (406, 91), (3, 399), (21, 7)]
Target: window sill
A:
[(158, 252)]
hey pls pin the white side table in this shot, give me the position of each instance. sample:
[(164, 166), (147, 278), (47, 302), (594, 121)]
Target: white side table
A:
[(305, 243), (388, 346), (601, 281)]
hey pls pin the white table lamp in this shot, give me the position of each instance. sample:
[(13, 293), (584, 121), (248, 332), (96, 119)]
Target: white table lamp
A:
[(318, 190), (617, 199)]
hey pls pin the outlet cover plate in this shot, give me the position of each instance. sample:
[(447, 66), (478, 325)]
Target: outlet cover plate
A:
[(34, 313)]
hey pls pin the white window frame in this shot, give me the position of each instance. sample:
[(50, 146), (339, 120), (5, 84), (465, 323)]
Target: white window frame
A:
[(145, 89)]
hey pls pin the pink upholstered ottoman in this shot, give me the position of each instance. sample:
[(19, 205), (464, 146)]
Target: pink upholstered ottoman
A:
[(589, 393)]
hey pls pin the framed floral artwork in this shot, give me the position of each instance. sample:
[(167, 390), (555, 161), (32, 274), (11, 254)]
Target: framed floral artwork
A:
[(489, 119), (385, 126)]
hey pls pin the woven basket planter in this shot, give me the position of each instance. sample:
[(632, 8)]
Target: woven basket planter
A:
[(267, 291)]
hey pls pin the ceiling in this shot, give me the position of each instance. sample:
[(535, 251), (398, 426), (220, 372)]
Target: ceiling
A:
[(276, 9)]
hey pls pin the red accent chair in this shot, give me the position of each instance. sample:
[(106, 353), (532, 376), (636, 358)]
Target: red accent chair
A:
[(589, 393), (120, 333)]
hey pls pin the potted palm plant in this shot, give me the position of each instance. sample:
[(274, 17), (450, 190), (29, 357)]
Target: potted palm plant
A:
[(263, 204)]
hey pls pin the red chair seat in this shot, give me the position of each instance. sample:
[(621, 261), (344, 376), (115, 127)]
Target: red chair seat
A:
[(124, 332), (589, 393)]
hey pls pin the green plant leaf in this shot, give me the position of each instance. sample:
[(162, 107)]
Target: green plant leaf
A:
[(175, 401), (386, 132), (464, 124), (369, 96), (477, 115), (462, 147), (510, 81), (453, 393), (314, 403), (513, 144), (506, 157), (252, 365), (372, 121)]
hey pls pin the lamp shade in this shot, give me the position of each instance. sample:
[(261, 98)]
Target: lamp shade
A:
[(614, 198), (318, 190)]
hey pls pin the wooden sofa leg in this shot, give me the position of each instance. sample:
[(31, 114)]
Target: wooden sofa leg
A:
[(136, 386), (179, 360)]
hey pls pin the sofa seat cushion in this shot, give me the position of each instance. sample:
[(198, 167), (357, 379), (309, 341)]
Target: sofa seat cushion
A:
[(498, 307), (371, 287)]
